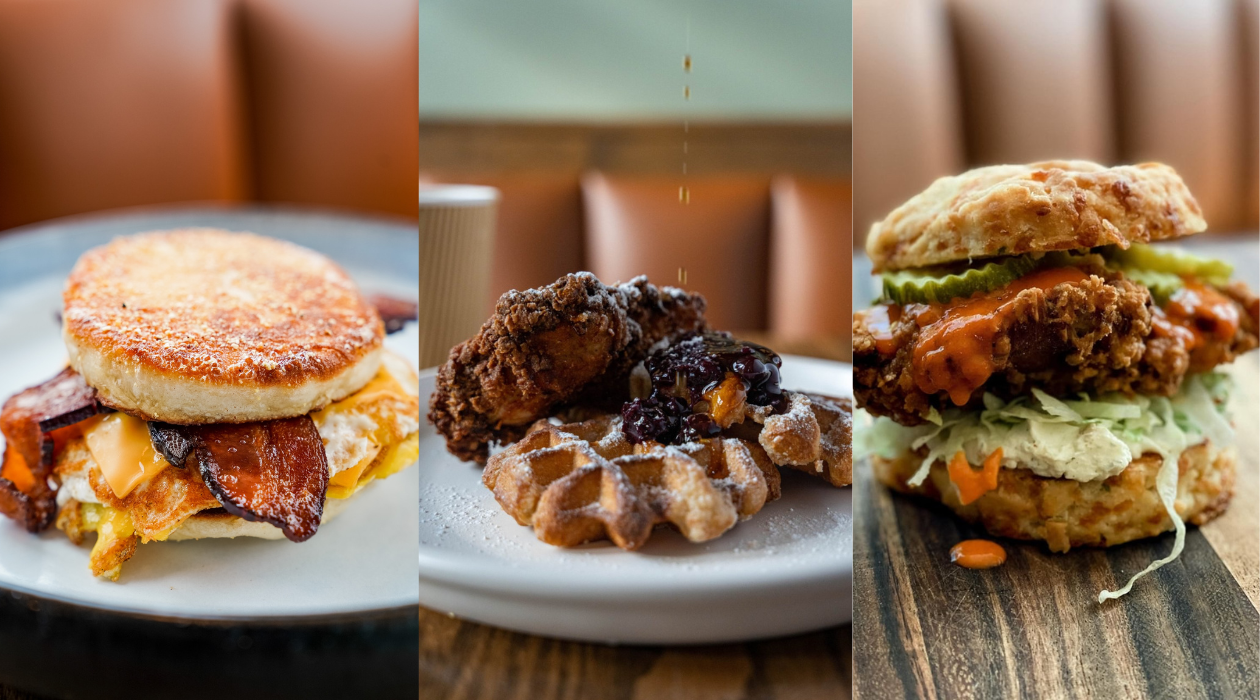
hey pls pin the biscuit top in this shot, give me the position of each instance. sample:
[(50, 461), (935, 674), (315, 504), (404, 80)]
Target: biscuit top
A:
[(220, 308), (1013, 209)]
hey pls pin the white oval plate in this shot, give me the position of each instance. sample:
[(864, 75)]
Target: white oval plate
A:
[(788, 569), (362, 561)]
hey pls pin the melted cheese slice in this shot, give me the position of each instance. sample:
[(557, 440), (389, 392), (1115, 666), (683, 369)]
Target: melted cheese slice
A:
[(373, 416), (343, 484), (120, 444)]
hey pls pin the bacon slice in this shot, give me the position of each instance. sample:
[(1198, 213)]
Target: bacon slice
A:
[(28, 421), (394, 312), (273, 471), (173, 442), (34, 513)]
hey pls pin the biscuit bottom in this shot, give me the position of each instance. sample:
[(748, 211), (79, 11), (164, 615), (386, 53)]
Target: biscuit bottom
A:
[(1066, 513)]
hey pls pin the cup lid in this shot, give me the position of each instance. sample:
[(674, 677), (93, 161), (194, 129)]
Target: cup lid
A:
[(457, 195)]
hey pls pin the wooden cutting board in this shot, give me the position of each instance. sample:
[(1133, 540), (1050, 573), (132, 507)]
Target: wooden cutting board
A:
[(924, 627)]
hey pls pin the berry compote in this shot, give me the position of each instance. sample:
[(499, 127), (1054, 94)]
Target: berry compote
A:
[(701, 385)]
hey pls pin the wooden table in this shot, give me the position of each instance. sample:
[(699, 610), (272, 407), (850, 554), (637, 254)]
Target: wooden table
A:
[(463, 660), (7, 693), (1033, 627)]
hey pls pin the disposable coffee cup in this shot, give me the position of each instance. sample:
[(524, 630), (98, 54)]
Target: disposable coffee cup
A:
[(456, 252)]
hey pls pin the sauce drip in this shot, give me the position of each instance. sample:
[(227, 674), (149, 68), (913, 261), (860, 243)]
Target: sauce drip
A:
[(977, 554), (955, 351), (974, 483), (1205, 312), (880, 319)]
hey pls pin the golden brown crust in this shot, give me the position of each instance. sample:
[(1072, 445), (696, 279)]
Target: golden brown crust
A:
[(158, 321), (1066, 513), (549, 347), (581, 482), (814, 435), (1053, 205), (835, 417)]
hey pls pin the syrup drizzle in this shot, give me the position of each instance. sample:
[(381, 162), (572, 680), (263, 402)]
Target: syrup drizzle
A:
[(684, 194)]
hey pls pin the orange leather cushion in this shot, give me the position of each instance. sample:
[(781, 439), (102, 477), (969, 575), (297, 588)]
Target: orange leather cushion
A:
[(1249, 12), (1179, 103), (906, 122), (638, 226), (811, 274), (110, 104), (333, 91), (1035, 79), (539, 230)]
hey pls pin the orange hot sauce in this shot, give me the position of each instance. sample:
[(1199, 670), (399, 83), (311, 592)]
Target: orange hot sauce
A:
[(977, 554), (974, 483), (1204, 311), (955, 351), (880, 319)]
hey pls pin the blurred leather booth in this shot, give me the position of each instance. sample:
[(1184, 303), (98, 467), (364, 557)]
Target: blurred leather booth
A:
[(134, 102), (943, 85), (769, 252)]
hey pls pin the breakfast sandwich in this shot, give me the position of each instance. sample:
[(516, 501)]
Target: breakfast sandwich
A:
[(219, 385), (1043, 365)]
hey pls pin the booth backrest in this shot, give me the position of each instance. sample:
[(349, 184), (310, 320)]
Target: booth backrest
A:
[(134, 102), (941, 85), (117, 103), (769, 254)]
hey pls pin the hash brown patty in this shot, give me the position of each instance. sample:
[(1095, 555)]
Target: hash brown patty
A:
[(1065, 513)]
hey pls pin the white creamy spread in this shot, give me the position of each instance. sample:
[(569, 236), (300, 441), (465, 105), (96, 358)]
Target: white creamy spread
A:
[(1058, 451)]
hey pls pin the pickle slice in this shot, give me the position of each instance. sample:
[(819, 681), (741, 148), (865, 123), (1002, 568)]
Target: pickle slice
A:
[(936, 286), (1162, 285), (1171, 260)]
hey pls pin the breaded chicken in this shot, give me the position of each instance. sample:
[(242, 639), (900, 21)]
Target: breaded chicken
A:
[(1099, 335), (576, 339)]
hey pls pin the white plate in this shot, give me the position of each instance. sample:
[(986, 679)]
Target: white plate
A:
[(364, 560), (789, 569)]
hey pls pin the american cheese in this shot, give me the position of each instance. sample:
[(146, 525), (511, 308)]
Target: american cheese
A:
[(121, 446), (343, 484)]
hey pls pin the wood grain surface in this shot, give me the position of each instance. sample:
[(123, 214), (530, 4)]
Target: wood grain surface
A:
[(924, 627), (465, 661), (7, 693)]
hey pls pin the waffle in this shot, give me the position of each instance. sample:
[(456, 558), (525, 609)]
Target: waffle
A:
[(814, 435), (581, 482)]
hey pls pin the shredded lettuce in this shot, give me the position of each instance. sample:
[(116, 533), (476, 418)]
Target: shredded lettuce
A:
[(1083, 439)]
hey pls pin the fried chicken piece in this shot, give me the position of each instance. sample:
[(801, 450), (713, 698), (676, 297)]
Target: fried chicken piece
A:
[(574, 340), (1102, 334)]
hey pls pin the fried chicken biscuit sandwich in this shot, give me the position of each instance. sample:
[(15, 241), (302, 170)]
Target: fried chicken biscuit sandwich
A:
[(1043, 364), (219, 385)]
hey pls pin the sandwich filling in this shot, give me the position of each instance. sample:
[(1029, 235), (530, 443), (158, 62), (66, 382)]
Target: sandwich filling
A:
[(132, 481), (1073, 323), (1070, 365)]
